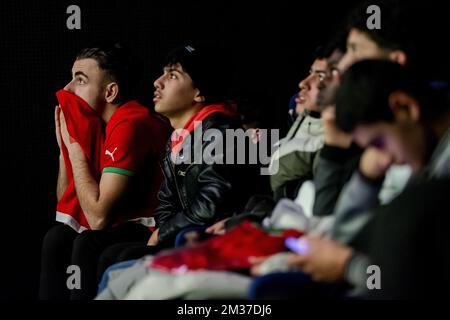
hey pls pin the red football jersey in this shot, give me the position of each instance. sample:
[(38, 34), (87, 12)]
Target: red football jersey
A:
[(132, 144)]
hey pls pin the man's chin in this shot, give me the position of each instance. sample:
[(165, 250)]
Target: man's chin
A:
[(166, 113), (299, 108), (159, 108)]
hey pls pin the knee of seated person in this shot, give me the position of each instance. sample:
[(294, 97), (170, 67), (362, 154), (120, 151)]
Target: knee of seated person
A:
[(84, 241), (58, 237), (111, 252), (111, 255)]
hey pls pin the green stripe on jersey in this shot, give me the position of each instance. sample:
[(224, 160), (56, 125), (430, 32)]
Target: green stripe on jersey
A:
[(119, 171)]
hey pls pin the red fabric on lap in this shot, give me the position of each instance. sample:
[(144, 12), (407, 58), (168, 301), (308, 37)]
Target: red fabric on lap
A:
[(227, 252)]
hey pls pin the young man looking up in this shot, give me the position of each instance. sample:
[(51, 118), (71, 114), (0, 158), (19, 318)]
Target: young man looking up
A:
[(192, 91)]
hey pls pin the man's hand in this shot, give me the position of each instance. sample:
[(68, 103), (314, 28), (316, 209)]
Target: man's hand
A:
[(334, 136), (73, 147), (374, 163), (62, 182), (58, 126), (68, 141), (218, 228), (325, 259), (96, 199), (153, 239), (256, 263)]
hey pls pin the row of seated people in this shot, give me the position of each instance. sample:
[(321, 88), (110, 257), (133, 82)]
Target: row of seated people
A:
[(355, 186)]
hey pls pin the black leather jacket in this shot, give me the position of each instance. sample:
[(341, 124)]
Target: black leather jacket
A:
[(200, 194)]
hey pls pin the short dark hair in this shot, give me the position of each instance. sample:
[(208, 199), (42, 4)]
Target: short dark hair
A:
[(320, 53), (394, 33), (120, 64), (336, 42), (208, 67), (362, 97)]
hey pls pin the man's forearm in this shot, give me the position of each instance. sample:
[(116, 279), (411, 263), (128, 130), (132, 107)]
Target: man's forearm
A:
[(61, 184), (87, 188)]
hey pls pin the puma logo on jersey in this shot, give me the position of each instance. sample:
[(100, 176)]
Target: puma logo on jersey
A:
[(111, 154)]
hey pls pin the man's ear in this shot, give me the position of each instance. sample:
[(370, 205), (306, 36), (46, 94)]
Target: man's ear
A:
[(198, 97), (398, 56), (111, 92), (404, 107)]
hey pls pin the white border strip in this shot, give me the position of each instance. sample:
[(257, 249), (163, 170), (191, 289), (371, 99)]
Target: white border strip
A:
[(70, 221)]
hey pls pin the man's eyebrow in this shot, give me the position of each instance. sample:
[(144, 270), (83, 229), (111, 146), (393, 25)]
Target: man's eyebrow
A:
[(172, 69), (80, 73)]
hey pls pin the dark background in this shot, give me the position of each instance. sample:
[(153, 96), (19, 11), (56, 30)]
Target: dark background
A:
[(271, 48)]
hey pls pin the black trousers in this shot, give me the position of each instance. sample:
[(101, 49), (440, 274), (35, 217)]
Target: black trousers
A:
[(63, 247), (123, 252)]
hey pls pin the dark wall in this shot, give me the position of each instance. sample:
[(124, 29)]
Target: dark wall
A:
[(271, 47)]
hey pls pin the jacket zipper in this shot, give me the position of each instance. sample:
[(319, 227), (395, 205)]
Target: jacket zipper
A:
[(172, 169), (176, 185)]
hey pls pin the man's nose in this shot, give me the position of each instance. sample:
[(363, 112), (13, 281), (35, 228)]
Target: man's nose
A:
[(69, 87), (158, 84), (304, 83)]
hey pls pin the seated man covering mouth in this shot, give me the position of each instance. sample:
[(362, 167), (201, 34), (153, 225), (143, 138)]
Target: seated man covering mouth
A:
[(109, 171)]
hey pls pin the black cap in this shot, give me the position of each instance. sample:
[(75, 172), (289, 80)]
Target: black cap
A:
[(207, 67)]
